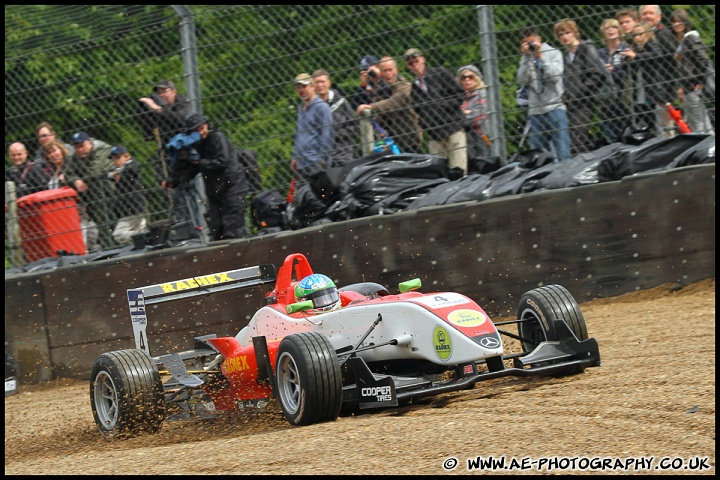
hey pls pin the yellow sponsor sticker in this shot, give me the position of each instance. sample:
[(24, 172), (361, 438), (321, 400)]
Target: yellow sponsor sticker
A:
[(466, 318), (442, 343), (190, 283), (236, 364)]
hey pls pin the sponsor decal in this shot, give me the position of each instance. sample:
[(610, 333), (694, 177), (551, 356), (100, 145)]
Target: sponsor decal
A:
[(136, 301), (539, 312), (236, 364), (489, 342), (205, 280), (441, 300), (468, 370), (382, 393), (258, 403), (442, 343), (466, 318)]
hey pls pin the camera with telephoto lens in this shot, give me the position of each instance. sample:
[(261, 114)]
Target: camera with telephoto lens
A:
[(531, 46), (372, 73)]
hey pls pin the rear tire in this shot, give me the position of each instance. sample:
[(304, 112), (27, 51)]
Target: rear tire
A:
[(126, 394), (309, 380), (540, 307)]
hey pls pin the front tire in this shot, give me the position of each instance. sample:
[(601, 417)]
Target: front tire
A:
[(538, 309), (309, 380), (126, 394)]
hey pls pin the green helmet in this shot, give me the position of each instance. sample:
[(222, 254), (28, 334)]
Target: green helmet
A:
[(320, 289)]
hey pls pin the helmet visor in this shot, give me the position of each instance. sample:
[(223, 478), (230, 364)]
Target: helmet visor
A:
[(324, 298)]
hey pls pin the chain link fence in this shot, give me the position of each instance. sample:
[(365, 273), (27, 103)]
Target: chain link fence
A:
[(84, 67)]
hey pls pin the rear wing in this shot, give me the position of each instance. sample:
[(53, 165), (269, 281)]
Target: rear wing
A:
[(138, 298)]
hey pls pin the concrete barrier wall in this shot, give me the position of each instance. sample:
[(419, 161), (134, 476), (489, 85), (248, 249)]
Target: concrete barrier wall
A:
[(598, 241)]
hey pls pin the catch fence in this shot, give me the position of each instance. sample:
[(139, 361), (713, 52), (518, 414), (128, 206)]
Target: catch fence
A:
[(84, 67)]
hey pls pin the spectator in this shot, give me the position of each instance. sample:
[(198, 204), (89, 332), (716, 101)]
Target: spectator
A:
[(615, 112), (171, 109), (345, 122), (391, 103), (362, 93), (56, 158), (475, 109), (45, 134), (314, 135), (130, 197), (85, 173), (642, 71), (29, 177), (168, 110), (436, 97), (541, 70), (693, 68), (628, 18), (225, 183), (665, 87), (584, 76)]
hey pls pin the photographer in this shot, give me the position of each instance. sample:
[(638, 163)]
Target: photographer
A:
[(130, 198), (165, 114), (225, 184), (541, 70), (391, 103)]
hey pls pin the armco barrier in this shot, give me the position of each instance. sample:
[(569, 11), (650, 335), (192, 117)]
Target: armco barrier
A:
[(598, 241)]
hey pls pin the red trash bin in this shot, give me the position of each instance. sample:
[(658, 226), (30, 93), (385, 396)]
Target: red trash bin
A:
[(49, 222)]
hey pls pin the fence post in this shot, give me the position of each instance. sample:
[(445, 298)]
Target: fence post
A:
[(367, 134), (12, 227), (189, 56), (492, 79)]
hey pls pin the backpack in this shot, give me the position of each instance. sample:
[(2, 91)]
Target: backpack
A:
[(268, 210)]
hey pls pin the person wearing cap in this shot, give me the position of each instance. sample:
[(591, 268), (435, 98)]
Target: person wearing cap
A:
[(391, 104), (169, 111), (172, 109), (345, 122), (474, 107), (29, 177), (86, 174), (541, 70), (314, 133), (437, 97), (129, 196), (225, 183), (367, 84)]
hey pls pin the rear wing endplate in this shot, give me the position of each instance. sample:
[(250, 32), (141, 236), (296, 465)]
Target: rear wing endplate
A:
[(139, 298)]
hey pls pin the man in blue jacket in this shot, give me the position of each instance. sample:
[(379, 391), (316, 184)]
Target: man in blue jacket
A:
[(314, 134)]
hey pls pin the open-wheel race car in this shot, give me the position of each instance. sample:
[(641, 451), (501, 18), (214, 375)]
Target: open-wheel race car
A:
[(318, 350)]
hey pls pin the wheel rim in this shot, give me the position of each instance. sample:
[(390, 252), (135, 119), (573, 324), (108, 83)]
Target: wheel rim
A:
[(288, 383), (106, 400), (531, 330)]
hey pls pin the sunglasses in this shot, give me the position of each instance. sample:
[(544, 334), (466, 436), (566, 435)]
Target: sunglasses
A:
[(467, 77)]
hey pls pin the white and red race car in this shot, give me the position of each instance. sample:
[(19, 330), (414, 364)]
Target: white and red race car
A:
[(376, 350)]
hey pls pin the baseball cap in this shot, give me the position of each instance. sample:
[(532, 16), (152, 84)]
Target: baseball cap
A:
[(412, 52), (80, 137), (164, 84), (117, 150), (368, 61), (195, 120), (303, 79)]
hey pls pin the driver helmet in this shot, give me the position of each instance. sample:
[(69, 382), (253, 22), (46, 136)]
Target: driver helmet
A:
[(320, 289)]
